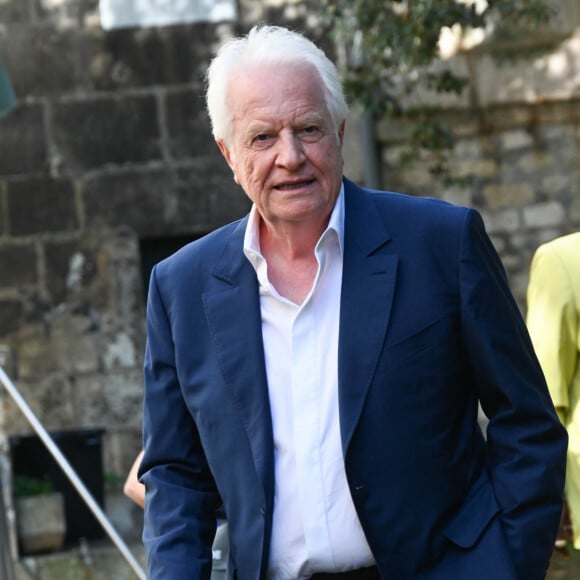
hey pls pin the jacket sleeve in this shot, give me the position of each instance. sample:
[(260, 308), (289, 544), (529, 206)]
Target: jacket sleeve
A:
[(526, 443), (551, 321), (181, 496)]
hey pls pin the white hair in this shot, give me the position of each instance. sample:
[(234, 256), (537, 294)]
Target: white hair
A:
[(266, 45)]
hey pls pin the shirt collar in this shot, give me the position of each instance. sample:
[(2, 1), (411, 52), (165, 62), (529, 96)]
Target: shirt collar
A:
[(252, 235)]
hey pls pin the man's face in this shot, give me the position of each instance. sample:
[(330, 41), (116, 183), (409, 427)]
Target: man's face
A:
[(284, 149)]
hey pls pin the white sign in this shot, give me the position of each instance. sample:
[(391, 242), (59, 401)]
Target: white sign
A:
[(140, 13)]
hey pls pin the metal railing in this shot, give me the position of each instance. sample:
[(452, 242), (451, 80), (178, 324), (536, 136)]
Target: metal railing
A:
[(71, 474)]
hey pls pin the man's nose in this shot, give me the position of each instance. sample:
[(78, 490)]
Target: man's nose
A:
[(290, 151)]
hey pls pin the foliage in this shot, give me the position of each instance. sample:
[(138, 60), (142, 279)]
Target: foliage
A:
[(113, 479), (387, 49), (25, 486)]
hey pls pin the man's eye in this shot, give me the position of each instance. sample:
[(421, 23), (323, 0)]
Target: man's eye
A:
[(310, 133), (262, 139)]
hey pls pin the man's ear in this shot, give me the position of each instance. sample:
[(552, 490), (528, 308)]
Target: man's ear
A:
[(341, 131), (227, 156), (225, 152)]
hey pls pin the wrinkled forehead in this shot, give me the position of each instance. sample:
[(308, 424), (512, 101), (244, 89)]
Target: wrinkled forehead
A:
[(275, 84)]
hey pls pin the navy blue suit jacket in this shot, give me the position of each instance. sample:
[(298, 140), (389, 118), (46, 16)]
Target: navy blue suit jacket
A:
[(427, 327)]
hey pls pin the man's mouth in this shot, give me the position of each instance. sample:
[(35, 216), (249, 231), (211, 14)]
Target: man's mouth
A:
[(289, 186)]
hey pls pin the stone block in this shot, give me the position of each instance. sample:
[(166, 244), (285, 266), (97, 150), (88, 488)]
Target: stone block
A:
[(534, 161), (51, 64), (59, 268), (502, 221), (543, 215), (11, 311), (120, 351), (502, 195), (476, 168), (148, 56), (73, 342), (91, 133), (137, 199), (120, 448), (188, 125), (40, 205), (516, 139), (163, 203), (31, 343), (14, 11), (109, 400), (574, 212), (23, 147), (92, 562), (18, 264), (125, 516), (208, 197), (50, 400), (64, 13), (556, 185)]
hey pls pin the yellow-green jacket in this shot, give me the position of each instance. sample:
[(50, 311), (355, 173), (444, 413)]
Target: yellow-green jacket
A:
[(554, 323)]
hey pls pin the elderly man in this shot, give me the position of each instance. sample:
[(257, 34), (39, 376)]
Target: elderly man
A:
[(317, 365)]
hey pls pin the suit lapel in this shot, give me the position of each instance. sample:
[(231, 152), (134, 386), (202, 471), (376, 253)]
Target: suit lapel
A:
[(369, 274), (233, 313)]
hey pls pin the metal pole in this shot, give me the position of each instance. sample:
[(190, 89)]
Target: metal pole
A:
[(6, 568), (71, 474)]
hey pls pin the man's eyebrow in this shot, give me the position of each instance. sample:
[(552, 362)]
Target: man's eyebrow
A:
[(257, 127), (310, 117)]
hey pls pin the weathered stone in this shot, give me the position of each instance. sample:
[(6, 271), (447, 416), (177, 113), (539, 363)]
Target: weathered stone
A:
[(93, 562), (516, 139), (59, 268), (188, 126), (51, 64), (92, 133), (40, 205), (11, 311), (73, 343), (150, 56), (113, 399), (557, 184), (535, 161), (544, 215), (478, 167), (574, 212), (502, 221), (23, 147), (129, 199), (41, 522), (62, 13), (206, 203), (14, 11), (501, 195), (20, 262)]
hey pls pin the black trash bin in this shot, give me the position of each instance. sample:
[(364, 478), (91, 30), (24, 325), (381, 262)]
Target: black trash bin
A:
[(83, 450)]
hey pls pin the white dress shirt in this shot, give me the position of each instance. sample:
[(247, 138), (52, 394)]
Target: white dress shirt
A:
[(315, 525)]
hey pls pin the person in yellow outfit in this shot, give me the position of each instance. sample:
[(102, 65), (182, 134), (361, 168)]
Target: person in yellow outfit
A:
[(553, 321)]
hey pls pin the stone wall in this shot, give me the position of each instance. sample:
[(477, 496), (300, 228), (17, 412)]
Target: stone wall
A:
[(517, 128), (522, 166), (109, 151)]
